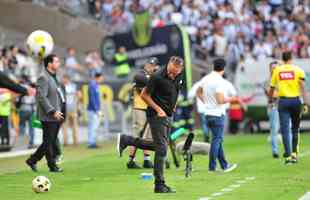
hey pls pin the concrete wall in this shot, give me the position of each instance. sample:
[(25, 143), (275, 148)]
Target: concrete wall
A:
[(66, 30)]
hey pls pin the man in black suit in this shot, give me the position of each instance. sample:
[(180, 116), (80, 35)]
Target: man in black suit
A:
[(51, 112)]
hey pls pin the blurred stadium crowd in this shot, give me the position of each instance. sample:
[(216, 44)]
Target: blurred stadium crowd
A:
[(235, 29), (239, 29)]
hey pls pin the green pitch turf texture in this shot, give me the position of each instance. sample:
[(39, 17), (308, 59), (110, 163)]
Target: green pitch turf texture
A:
[(100, 175)]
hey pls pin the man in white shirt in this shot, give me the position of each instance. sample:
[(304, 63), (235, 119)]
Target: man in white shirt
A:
[(200, 109), (211, 91)]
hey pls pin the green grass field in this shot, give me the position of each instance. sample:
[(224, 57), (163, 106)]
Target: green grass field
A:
[(100, 174)]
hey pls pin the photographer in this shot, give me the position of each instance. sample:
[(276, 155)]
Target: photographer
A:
[(140, 125)]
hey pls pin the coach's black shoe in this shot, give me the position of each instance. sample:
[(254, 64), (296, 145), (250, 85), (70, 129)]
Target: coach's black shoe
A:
[(147, 164), (121, 145), (133, 165), (32, 165), (275, 155), (56, 169), (163, 189)]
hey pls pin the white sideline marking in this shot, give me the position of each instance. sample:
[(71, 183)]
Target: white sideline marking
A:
[(217, 194), (305, 197), (205, 198), (232, 188), (241, 181), (17, 153), (250, 178), (227, 190)]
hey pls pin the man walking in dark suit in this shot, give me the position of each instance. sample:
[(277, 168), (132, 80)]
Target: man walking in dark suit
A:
[(51, 112), (160, 94)]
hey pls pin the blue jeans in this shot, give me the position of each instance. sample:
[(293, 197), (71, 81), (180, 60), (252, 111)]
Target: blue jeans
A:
[(93, 124), (216, 124), (289, 112), (273, 115), (25, 116), (204, 124)]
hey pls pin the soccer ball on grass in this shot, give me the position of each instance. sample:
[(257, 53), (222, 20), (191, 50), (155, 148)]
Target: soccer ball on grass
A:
[(41, 184)]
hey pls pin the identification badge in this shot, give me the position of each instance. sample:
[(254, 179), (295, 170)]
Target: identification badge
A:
[(290, 75)]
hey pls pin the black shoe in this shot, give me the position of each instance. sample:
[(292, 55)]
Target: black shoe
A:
[(32, 165), (163, 189), (56, 169), (121, 146), (133, 165), (275, 155), (147, 164)]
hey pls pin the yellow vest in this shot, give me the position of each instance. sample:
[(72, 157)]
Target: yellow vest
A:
[(122, 67), (138, 102), (5, 104)]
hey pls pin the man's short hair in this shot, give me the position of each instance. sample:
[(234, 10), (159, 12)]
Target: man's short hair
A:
[(49, 59), (98, 74), (286, 56), (177, 60), (219, 64)]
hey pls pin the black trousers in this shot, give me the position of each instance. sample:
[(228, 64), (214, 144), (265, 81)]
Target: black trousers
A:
[(4, 130), (49, 147), (290, 113), (160, 127)]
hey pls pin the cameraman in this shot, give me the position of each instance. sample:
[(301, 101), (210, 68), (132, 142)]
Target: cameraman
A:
[(140, 125)]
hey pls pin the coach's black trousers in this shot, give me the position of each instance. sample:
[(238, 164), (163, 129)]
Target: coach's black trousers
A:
[(160, 127), (49, 147)]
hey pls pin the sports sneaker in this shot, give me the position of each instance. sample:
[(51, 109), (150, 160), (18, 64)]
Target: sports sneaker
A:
[(288, 161), (121, 145), (133, 165), (230, 168), (275, 155), (294, 158), (147, 164)]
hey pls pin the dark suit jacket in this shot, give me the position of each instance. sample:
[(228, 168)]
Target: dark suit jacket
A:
[(48, 98)]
